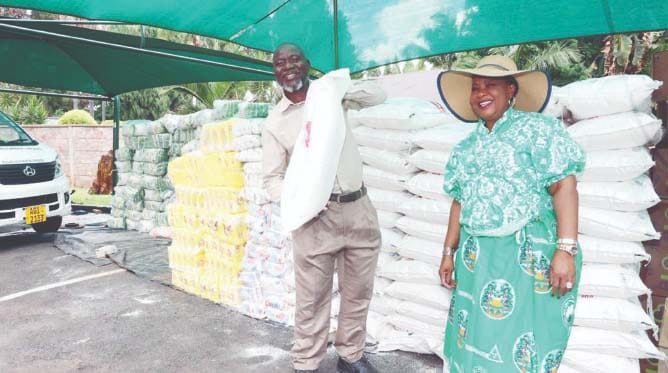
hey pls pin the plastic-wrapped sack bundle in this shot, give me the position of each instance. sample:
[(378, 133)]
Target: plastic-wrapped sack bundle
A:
[(226, 108), (253, 110), (616, 165), (244, 127), (123, 154), (430, 160), (633, 195)]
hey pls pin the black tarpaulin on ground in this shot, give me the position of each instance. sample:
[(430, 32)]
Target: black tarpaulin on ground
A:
[(134, 251)]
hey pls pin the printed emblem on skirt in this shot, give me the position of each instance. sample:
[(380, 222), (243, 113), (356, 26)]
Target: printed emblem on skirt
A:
[(462, 322), (471, 249), (541, 268), (524, 353), (451, 311), (551, 361), (525, 257), (568, 311), (497, 299)]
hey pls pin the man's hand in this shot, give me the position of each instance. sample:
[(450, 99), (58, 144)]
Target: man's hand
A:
[(445, 271), (562, 273)]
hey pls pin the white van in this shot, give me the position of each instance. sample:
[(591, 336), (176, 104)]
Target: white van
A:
[(33, 187)]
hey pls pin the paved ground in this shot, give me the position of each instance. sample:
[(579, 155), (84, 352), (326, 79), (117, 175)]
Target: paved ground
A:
[(117, 322)]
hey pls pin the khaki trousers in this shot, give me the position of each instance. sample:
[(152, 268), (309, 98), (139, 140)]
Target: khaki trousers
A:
[(347, 233)]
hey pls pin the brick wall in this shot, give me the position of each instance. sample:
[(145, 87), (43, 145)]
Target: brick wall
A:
[(80, 148)]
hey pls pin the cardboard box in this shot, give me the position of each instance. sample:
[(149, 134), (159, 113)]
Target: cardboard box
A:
[(655, 273)]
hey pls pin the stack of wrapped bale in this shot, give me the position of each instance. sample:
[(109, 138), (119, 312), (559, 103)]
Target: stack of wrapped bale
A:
[(267, 277), (409, 308), (141, 167), (208, 217), (143, 190), (614, 125)]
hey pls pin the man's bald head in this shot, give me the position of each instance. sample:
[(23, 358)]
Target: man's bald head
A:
[(291, 67)]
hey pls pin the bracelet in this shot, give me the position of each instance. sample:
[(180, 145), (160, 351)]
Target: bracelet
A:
[(448, 251), (567, 241)]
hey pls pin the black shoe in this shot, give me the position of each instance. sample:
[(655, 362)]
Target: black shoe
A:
[(360, 366), (306, 371)]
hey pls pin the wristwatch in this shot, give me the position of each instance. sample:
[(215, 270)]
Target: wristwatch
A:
[(568, 245), (448, 251)]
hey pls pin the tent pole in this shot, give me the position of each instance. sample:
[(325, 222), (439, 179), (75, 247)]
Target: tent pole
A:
[(134, 49), (117, 118), (336, 34)]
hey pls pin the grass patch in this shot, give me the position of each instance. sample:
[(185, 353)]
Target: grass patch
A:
[(82, 197)]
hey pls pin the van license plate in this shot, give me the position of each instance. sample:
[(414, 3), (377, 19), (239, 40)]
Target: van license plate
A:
[(35, 214)]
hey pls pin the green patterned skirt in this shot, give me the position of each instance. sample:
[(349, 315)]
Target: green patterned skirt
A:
[(503, 317)]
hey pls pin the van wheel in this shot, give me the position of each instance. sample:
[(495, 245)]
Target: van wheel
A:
[(51, 225)]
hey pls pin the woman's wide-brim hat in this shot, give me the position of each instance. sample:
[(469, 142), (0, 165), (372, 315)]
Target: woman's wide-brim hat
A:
[(455, 86)]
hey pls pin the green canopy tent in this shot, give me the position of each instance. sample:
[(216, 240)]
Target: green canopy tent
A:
[(361, 34), (77, 59), (104, 64)]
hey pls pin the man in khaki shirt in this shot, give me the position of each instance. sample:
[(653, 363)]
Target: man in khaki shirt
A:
[(346, 230)]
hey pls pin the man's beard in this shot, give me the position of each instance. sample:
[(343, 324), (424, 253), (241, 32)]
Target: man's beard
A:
[(294, 87)]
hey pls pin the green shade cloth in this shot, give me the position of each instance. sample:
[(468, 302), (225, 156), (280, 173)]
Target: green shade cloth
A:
[(55, 62), (371, 33)]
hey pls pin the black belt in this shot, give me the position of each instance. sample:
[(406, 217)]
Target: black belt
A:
[(348, 197)]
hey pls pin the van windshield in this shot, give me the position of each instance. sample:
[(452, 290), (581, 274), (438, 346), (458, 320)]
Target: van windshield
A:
[(11, 134)]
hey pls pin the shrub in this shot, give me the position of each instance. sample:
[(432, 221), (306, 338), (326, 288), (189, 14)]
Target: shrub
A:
[(76, 117)]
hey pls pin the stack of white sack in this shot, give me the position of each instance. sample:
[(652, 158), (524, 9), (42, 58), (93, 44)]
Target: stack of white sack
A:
[(267, 277), (409, 309), (613, 125)]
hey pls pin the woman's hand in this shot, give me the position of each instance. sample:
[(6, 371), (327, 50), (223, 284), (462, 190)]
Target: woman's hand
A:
[(445, 271), (562, 272)]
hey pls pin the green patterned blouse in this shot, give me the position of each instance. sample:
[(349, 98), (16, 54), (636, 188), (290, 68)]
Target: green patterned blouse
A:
[(501, 177)]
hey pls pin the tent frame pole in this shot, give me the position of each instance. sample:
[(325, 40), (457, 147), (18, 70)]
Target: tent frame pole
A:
[(53, 94), (117, 120)]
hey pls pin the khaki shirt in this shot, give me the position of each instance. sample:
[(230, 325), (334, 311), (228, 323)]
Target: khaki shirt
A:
[(282, 128)]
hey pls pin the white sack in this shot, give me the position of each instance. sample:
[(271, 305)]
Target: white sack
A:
[(394, 162), (422, 229), (435, 296), (430, 160), (615, 225), (612, 314), (442, 138), (616, 165), (608, 95), (600, 250), (387, 200), (610, 280), (428, 185), (392, 140), (430, 210), (608, 342), (403, 113), (384, 305), (616, 131), (416, 326), (632, 195), (315, 157), (413, 271), (422, 313), (554, 108), (377, 178), (587, 362), (390, 239), (430, 252), (387, 219)]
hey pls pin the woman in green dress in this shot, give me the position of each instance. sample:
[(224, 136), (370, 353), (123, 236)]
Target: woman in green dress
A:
[(510, 253)]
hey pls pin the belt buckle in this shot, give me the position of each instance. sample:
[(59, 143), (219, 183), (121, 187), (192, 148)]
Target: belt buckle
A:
[(338, 198)]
